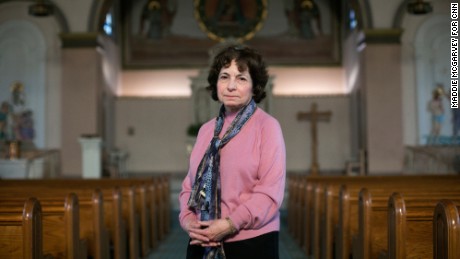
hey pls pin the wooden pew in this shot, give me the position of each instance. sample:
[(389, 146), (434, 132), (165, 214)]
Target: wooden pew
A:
[(166, 200), (446, 230), (347, 226), (115, 209), (306, 198), (311, 209), (323, 210), (377, 219), (158, 200), (321, 201), (299, 210), (302, 193), (158, 203), (150, 202), (82, 218), (152, 199), (303, 213), (153, 205), (21, 232), (292, 193), (410, 225), (60, 225)]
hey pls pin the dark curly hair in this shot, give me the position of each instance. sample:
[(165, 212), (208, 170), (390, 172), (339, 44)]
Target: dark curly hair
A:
[(246, 59)]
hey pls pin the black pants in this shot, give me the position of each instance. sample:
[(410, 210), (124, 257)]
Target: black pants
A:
[(261, 247)]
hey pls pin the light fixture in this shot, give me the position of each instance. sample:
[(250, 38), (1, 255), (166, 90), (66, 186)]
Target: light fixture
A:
[(419, 7), (307, 5), (40, 9)]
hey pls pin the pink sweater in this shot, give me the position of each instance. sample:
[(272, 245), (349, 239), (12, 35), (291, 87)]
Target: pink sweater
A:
[(252, 171)]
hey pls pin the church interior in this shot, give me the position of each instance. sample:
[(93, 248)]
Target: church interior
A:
[(103, 99)]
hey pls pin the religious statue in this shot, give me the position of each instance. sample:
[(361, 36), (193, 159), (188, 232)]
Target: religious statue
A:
[(16, 122), (435, 107), (17, 94)]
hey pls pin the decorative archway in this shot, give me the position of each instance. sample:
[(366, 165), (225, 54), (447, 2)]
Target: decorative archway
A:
[(419, 66), (58, 15), (365, 14), (432, 55), (22, 48), (32, 48)]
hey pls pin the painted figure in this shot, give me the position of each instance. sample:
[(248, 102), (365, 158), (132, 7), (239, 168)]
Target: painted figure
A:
[(304, 18), (156, 18)]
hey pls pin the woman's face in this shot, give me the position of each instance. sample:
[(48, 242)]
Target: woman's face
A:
[(234, 88)]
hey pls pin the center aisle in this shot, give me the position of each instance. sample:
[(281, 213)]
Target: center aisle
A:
[(175, 244)]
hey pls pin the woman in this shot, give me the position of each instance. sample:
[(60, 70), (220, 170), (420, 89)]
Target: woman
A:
[(231, 196)]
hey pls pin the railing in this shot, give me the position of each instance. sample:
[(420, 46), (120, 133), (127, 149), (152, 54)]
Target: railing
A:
[(432, 160), (32, 164)]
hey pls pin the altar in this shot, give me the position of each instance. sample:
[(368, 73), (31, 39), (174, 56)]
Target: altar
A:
[(35, 164)]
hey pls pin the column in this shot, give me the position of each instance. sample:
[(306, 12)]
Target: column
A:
[(381, 63), (81, 95)]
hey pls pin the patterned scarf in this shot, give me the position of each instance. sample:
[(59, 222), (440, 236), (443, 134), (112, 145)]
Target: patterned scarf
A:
[(205, 195)]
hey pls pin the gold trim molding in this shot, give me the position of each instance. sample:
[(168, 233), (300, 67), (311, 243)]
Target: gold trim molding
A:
[(385, 36), (79, 40)]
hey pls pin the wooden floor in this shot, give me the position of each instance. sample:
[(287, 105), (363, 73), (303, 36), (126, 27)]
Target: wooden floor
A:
[(174, 247)]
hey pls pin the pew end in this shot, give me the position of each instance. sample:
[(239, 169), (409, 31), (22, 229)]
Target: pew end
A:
[(446, 230), (21, 231)]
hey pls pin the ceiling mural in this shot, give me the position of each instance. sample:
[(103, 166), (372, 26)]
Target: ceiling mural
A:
[(223, 20), (181, 33)]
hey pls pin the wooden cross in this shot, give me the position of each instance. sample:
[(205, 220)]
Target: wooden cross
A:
[(314, 116)]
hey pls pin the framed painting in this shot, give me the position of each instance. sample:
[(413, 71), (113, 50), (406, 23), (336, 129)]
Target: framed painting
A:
[(307, 33), (181, 33)]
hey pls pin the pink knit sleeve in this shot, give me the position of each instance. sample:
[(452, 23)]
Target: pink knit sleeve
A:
[(186, 214), (267, 196)]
